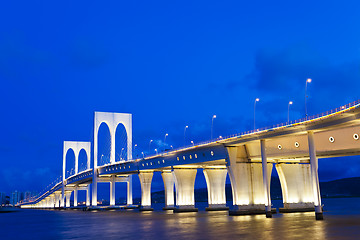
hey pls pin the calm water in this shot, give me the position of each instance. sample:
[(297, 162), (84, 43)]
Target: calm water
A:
[(342, 221)]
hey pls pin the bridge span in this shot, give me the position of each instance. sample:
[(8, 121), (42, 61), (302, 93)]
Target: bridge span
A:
[(292, 148)]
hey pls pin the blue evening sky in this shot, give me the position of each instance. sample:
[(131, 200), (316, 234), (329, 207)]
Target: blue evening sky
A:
[(170, 64)]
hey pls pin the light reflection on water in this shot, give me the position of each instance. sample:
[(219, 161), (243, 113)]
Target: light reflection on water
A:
[(131, 224)]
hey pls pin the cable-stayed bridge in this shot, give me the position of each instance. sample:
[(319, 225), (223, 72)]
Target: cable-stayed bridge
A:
[(292, 148)]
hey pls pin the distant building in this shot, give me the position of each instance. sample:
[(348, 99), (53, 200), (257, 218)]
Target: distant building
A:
[(29, 196), (16, 197), (2, 198)]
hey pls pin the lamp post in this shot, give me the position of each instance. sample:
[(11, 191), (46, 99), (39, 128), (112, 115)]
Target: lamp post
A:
[(150, 144), (156, 150), (307, 81), (256, 100), (171, 146), (192, 142), (165, 141), (290, 103), (185, 133), (212, 124), (135, 149), (143, 154)]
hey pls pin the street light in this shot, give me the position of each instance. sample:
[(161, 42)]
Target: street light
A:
[(165, 140), (171, 146), (135, 149), (212, 124), (143, 154), (290, 103), (307, 81), (150, 144), (256, 100), (156, 150), (192, 142), (184, 133)]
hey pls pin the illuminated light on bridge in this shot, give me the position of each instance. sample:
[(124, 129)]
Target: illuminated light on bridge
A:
[(292, 148)]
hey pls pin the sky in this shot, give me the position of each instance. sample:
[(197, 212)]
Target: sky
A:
[(170, 64)]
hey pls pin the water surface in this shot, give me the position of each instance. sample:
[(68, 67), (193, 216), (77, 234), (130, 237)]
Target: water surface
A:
[(342, 221)]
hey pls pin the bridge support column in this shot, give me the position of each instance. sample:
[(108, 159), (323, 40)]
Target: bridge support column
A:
[(47, 202), (57, 200), (169, 182), (62, 198), (215, 181), (129, 200), (75, 197), (88, 195), (266, 179), (297, 193), (94, 188), (246, 182), (112, 190), (315, 177), (184, 184), (68, 195), (145, 181), (52, 201)]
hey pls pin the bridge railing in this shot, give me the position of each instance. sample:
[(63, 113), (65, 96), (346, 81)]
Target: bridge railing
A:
[(42, 194), (326, 114)]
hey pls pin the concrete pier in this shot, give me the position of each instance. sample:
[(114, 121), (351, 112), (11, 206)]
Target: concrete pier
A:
[(215, 181), (184, 184), (169, 184), (145, 181)]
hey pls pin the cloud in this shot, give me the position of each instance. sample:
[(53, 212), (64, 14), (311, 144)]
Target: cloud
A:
[(284, 72), (280, 76)]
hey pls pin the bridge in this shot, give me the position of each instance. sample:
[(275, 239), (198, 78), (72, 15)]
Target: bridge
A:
[(293, 148)]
